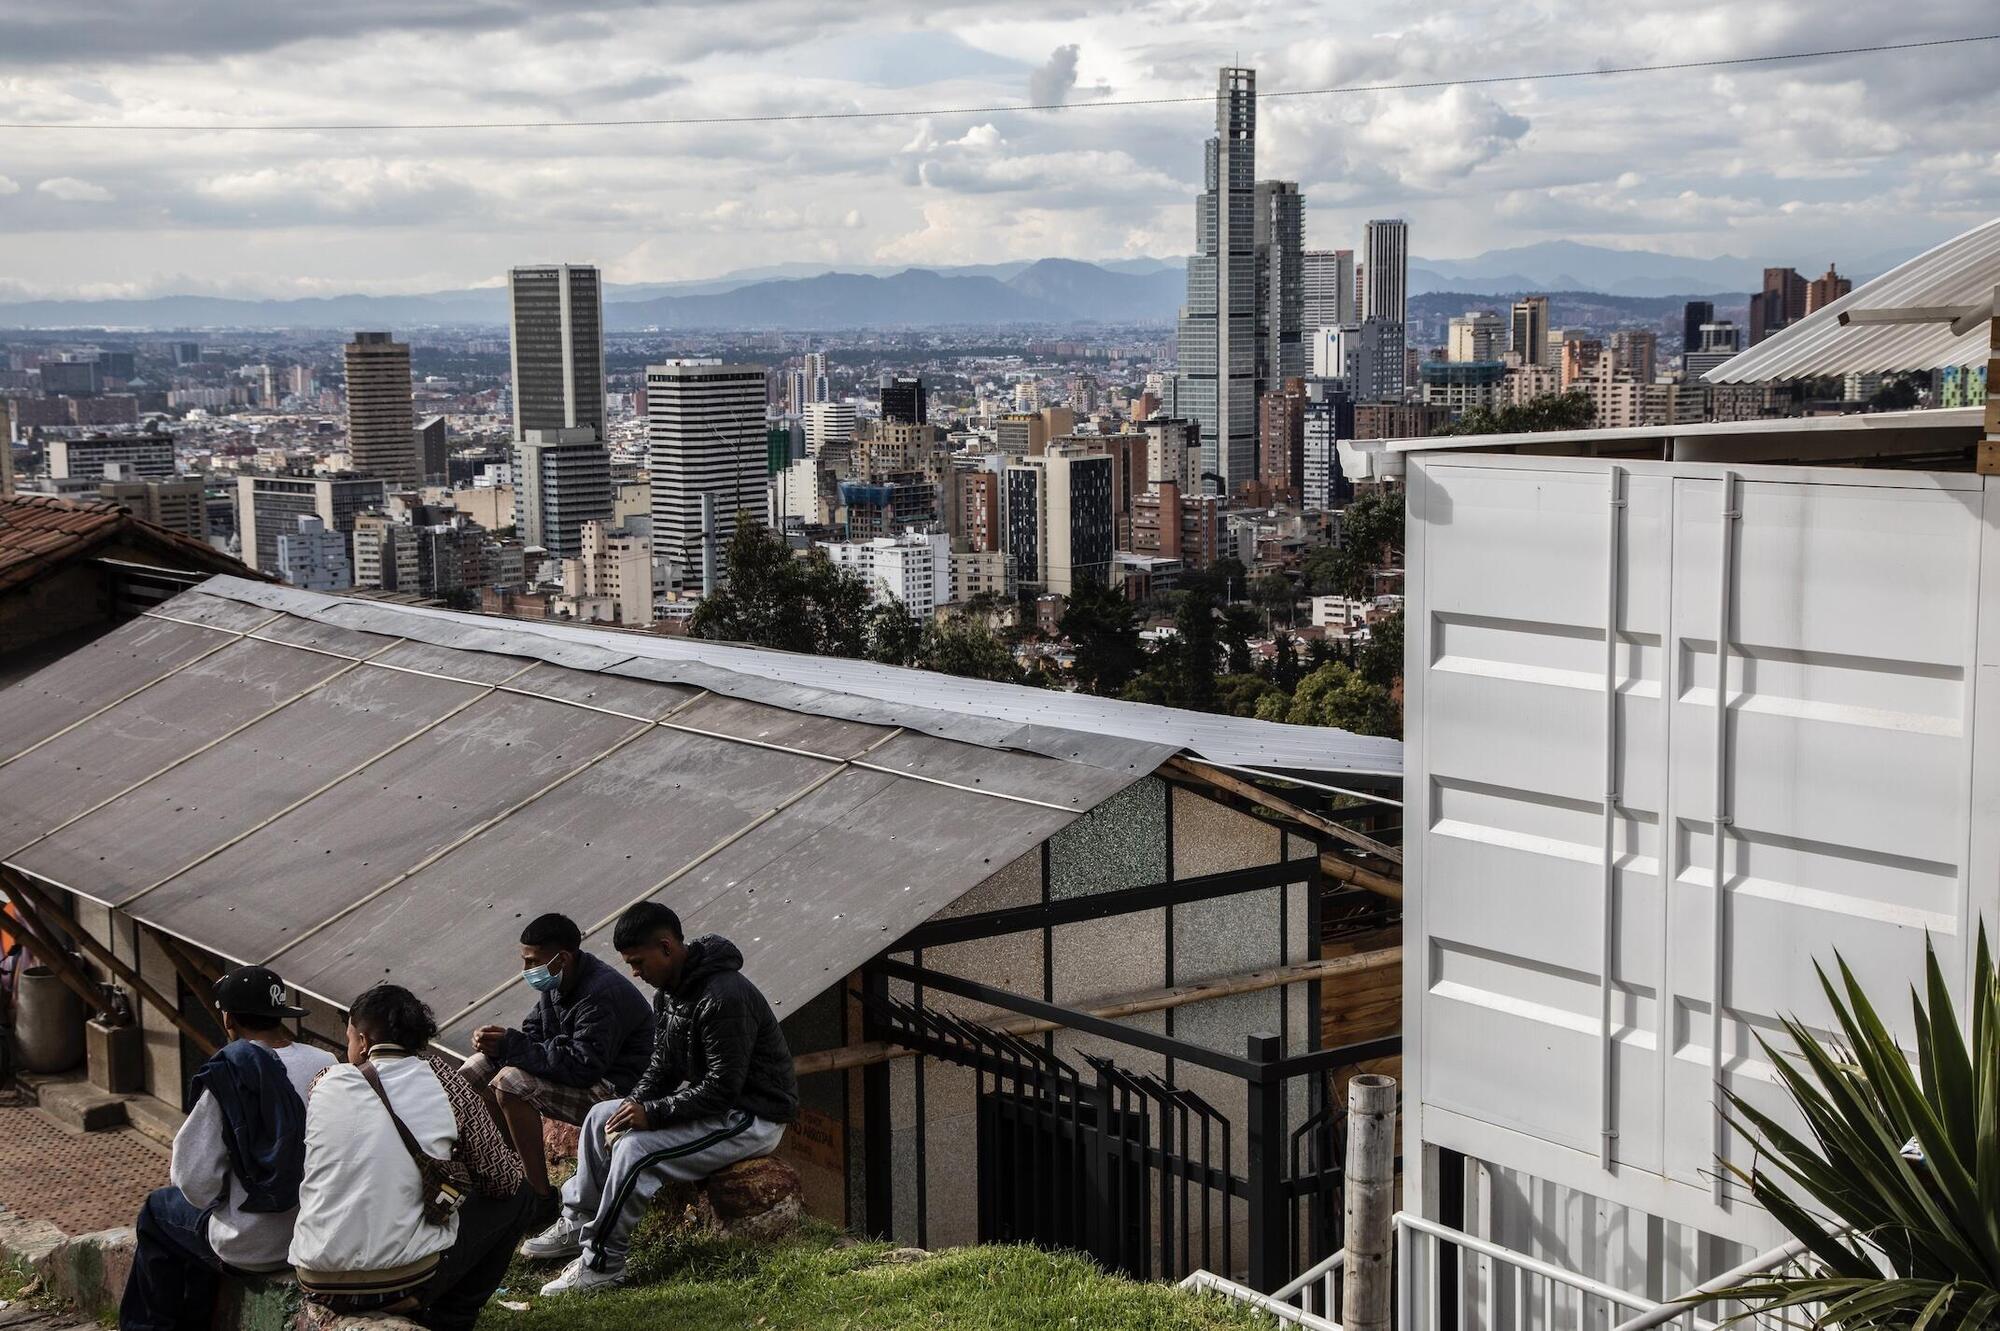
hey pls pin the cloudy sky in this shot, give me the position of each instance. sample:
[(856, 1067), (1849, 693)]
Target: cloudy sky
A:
[(1799, 163)]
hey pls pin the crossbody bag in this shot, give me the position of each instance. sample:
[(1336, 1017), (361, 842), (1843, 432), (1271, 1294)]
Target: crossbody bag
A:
[(446, 1183)]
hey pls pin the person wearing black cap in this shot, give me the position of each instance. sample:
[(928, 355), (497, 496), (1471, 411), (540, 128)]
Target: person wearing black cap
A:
[(237, 1163)]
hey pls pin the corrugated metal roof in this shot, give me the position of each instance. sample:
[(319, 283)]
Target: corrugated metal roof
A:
[(1860, 424), (1962, 271), (353, 792)]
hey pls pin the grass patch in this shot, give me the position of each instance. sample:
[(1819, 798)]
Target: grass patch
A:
[(818, 1279)]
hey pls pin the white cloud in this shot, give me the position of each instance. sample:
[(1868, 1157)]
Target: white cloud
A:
[(71, 190), (1050, 85), (8, 187)]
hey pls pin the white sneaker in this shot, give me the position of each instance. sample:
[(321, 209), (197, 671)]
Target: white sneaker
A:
[(562, 1239), (576, 1278)]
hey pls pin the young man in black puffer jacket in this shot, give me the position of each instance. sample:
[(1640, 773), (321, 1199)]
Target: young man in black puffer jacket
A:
[(719, 1089)]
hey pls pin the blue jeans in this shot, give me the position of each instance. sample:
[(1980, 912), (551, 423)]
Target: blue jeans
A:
[(174, 1272)]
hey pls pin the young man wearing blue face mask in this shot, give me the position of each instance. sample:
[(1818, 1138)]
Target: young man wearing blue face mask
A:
[(587, 1039)]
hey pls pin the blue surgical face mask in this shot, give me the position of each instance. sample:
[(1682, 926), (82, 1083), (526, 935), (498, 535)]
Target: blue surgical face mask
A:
[(541, 978)]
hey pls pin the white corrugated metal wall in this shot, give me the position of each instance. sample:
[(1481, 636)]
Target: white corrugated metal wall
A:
[(1849, 782)]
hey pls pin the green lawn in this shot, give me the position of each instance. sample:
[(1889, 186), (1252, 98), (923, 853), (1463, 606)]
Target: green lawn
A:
[(820, 1280)]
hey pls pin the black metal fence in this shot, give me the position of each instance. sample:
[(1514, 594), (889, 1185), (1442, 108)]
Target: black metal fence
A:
[(1125, 1166)]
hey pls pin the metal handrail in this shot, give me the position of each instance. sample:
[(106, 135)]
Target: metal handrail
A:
[(1209, 1282), (1686, 1303), (1311, 1274), (1534, 1265)]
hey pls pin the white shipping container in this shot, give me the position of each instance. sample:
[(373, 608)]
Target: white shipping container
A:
[(1569, 778)]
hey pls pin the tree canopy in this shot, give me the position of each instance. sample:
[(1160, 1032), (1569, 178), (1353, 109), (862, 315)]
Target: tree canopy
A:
[(1551, 411)]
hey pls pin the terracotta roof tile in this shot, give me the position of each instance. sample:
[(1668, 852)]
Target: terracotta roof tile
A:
[(41, 532)]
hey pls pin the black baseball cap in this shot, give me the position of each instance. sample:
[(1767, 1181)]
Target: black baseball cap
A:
[(254, 991)]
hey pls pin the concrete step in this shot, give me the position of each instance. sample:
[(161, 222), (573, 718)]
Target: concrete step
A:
[(154, 1119), (77, 1106)]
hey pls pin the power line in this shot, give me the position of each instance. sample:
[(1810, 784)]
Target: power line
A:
[(1546, 76)]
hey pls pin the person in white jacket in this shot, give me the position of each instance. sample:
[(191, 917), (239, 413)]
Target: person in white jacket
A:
[(213, 1218), (363, 1243)]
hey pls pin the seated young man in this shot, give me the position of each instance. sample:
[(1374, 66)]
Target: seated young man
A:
[(586, 1040), (237, 1163), (719, 1088)]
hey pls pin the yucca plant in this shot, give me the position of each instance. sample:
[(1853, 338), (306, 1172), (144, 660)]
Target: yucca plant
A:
[(1895, 1194)]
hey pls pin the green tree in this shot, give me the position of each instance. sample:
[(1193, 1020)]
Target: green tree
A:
[(1898, 394), (1229, 578), (775, 598), (1335, 695), (1240, 695), (1104, 633), (1371, 536), (1285, 668), (1380, 659), (1275, 592), (963, 645), (1239, 624), (1552, 411), (895, 637)]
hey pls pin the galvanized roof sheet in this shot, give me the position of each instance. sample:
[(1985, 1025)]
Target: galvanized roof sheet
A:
[(1962, 271), (351, 792)]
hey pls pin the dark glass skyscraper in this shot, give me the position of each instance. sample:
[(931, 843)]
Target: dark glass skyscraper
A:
[(557, 317)]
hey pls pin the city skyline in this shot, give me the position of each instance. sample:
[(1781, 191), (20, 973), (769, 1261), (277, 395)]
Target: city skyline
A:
[(1842, 155)]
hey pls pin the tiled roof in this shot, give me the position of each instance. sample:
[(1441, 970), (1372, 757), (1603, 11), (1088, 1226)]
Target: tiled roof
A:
[(41, 532)]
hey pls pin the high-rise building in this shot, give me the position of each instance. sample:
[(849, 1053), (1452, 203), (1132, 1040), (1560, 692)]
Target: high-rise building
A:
[(1529, 336), (1217, 382), (269, 505), (1328, 287), (179, 504), (903, 400), (1060, 523), (1280, 232), (826, 423), (1477, 335), (1282, 440), (615, 570), (1635, 353), (562, 479), (145, 456), (556, 313), (1329, 418), (1386, 292), (1714, 344), (913, 567), (1782, 300), (705, 436), (433, 443), (1173, 446), (380, 438), (818, 387), (1827, 289), (1693, 315), (1377, 361), (310, 556)]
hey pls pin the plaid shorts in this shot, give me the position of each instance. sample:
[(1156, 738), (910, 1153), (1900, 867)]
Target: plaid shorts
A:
[(555, 1100)]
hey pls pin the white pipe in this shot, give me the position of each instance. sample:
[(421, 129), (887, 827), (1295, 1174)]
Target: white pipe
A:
[(1719, 827), (1607, 910), (1309, 785)]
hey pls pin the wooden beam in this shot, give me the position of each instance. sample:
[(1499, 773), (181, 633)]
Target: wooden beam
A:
[(1236, 785), (48, 949), (1130, 1005), (187, 958), (106, 957), (1332, 866)]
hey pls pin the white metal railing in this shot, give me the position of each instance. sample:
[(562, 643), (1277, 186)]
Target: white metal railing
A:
[(1537, 1296)]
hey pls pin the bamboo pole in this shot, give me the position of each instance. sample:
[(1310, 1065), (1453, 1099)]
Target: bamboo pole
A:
[(106, 957), (1333, 866), (1371, 1203), (49, 951), (1236, 785), (1130, 1005)]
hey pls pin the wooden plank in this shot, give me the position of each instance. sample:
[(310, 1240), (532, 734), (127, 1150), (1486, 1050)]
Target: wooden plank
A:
[(1249, 790), (106, 957), (1131, 1005), (46, 946)]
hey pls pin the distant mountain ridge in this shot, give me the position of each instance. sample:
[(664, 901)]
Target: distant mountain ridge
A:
[(808, 296)]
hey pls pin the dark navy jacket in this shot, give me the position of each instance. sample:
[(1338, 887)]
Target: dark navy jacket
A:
[(263, 1123), (601, 1029)]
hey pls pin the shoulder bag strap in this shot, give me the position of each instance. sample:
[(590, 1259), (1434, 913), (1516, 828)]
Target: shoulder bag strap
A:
[(410, 1143)]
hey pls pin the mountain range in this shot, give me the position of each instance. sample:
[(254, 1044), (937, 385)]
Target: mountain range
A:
[(796, 296)]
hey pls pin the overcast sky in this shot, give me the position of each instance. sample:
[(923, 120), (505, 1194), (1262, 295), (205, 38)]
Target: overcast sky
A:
[(1833, 159)]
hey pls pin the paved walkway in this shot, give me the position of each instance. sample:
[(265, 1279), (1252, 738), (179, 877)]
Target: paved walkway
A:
[(80, 1182), (22, 1317)]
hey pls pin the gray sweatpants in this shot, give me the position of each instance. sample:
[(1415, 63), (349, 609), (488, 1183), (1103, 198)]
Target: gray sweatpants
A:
[(612, 1185)]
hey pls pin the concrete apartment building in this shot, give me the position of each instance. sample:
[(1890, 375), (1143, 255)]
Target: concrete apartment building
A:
[(1477, 335), (611, 580), (914, 567), (179, 504), (705, 441), (562, 479), (142, 456), (1327, 286), (381, 431), (1060, 524), (1528, 332), (268, 505), (313, 557), (826, 423)]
